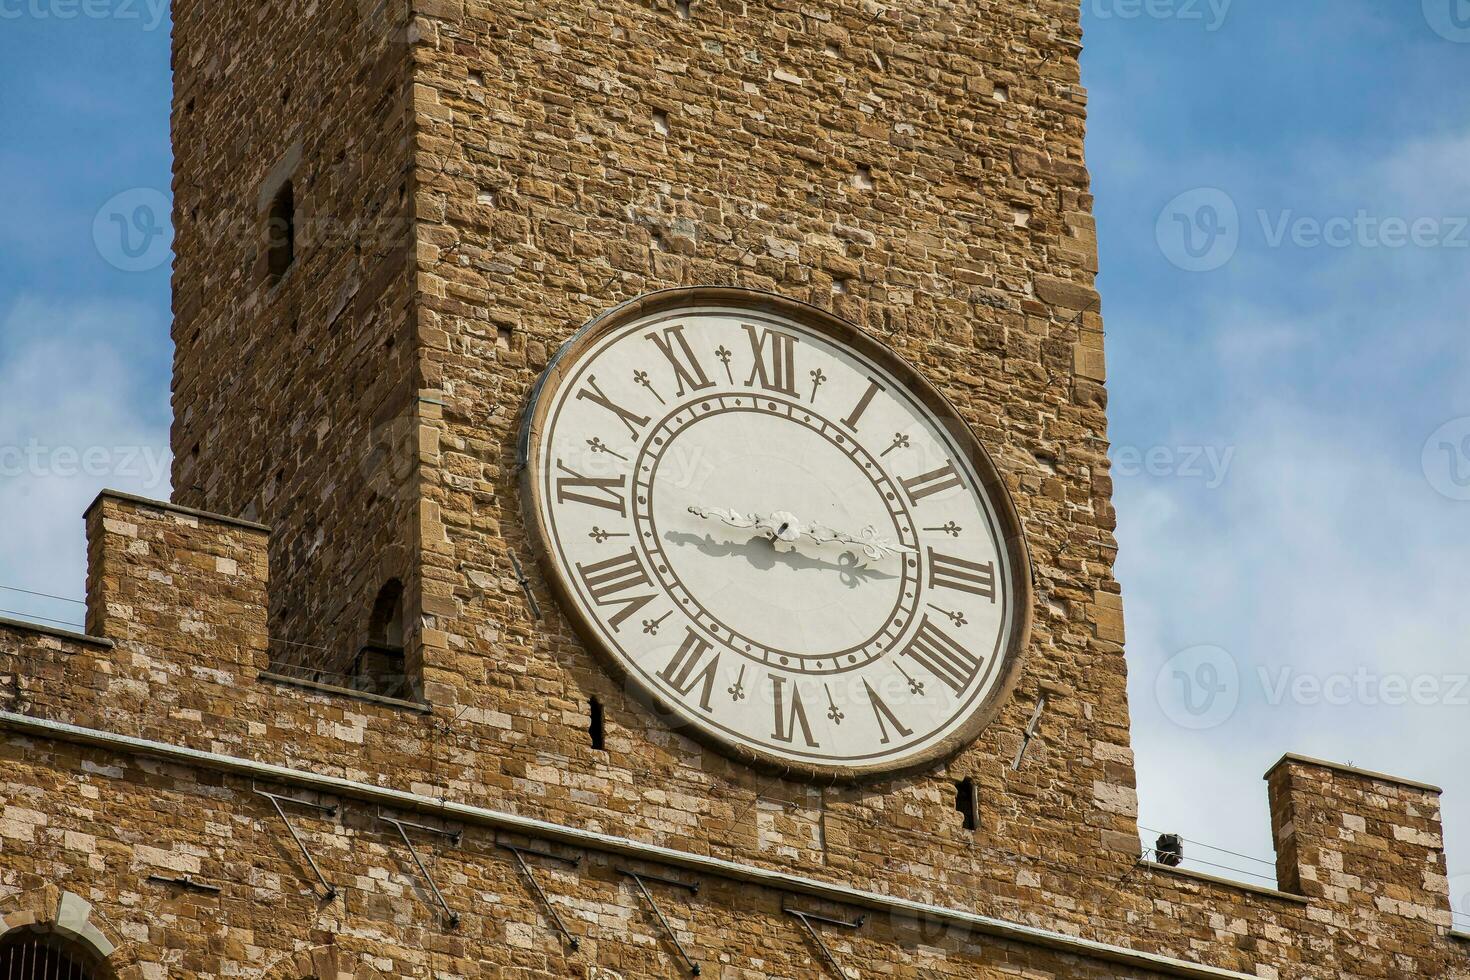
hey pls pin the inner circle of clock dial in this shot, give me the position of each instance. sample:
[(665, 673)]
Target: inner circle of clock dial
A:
[(774, 536), (786, 604)]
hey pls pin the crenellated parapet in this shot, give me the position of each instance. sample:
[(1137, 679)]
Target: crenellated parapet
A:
[(1359, 842), (176, 669)]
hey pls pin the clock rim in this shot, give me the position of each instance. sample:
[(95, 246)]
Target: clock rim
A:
[(845, 332)]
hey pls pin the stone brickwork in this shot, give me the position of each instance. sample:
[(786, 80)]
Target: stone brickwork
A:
[(472, 182)]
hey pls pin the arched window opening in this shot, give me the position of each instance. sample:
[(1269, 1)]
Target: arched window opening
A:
[(380, 666), (34, 954)]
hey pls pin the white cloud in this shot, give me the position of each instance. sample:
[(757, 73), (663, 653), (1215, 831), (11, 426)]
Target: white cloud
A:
[(76, 416), (1327, 553)]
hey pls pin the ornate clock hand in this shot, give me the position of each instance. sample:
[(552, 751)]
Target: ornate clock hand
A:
[(783, 526)]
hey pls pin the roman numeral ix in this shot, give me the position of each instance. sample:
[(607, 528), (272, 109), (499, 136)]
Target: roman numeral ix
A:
[(675, 346), (604, 492), (607, 581), (941, 656)]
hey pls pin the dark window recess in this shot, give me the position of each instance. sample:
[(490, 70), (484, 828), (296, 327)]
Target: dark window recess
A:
[(28, 954), (595, 727), (381, 666), (967, 803), (280, 233)]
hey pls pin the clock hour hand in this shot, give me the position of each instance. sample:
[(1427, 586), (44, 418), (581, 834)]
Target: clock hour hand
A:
[(783, 526)]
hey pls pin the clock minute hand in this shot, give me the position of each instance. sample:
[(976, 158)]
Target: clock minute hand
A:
[(782, 526)]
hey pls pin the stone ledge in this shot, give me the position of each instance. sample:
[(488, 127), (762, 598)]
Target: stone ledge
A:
[(1305, 760), (590, 840), (52, 631), (1463, 937), (171, 508), (1227, 882), (419, 707)]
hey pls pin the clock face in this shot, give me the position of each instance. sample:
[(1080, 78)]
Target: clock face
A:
[(776, 531)]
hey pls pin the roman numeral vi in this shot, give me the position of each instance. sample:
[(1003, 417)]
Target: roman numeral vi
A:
[(787, 720)]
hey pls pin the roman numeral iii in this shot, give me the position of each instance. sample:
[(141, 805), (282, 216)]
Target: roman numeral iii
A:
[(675, 346), (607, 581), (941, 656), (592, 491), (787, 719), (775, 360), (684, 672), (962, 576)]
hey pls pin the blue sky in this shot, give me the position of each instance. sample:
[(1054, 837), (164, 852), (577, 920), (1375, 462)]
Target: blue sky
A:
[(1282, 199)]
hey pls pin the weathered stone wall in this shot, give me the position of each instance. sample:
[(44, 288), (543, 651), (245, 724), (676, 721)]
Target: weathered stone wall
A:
[(295, 400), (507, 171), (916, 169)]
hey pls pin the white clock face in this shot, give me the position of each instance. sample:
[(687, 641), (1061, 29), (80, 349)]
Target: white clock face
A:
[(776, 530)]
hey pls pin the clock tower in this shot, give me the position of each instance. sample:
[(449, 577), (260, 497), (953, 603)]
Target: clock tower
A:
[(642, 509)]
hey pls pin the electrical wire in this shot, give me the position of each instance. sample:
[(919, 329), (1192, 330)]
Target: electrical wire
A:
[(1211, 847), (42, 595), (23, 615)]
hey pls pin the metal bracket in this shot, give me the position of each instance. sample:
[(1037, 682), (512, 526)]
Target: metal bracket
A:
[(520, 856), (1030, 734), (691, 887), (807, 918), (525, 585), (185, 882), (330, 811), (450, 916)]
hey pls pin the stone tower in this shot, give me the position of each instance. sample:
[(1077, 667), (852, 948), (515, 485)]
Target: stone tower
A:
[(389, 217)]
